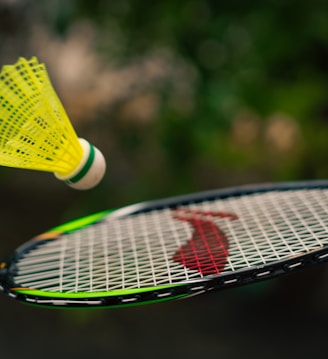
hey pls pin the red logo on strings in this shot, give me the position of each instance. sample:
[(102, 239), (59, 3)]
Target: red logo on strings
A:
[(208, 248)]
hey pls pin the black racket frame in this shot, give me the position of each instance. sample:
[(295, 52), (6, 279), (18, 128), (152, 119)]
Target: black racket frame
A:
[(206, 284)]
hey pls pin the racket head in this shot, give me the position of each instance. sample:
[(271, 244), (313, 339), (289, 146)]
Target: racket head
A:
[(259, 232)]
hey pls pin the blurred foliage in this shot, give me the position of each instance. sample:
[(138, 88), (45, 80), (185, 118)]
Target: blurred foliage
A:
[(181, 96)]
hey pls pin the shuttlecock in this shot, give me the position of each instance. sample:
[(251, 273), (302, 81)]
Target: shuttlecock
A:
[(35, 131)]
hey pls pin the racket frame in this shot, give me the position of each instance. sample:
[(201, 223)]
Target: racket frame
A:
[(119, 298)]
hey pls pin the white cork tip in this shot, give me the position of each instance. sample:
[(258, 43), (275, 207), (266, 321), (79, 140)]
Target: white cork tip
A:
[(90, 171)]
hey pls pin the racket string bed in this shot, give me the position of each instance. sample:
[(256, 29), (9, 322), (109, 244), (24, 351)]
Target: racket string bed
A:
[(153, 253)]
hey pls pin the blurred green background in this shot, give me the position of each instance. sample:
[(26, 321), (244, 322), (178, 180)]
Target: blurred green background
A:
[(180, 97)]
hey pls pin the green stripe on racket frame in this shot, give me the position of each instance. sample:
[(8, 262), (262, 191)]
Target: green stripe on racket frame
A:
[(173, 248)]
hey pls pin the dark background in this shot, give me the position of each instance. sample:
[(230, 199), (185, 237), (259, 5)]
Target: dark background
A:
[(180, 97)]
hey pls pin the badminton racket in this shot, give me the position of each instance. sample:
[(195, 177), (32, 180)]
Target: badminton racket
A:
[(173, 248)]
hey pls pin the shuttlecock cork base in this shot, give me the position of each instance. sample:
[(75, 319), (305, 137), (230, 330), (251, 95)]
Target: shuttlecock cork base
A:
[(90, 170)]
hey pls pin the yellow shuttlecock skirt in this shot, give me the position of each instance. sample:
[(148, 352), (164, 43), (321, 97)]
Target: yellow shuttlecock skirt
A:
[(35, 132)]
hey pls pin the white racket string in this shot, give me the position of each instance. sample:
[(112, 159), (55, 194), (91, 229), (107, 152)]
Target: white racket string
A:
[(137, 251)]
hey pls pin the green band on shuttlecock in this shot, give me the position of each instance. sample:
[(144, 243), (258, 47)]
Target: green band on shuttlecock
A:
[(85, 168)]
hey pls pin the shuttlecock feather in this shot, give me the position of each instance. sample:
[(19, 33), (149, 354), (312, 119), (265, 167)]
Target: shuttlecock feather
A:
[(35, 131)]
